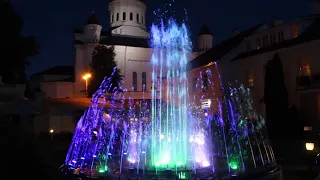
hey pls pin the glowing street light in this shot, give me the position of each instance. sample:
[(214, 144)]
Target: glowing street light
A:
[(309, 146), (86, 77)]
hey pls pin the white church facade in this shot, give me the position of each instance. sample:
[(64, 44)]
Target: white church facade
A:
[(130, 38)]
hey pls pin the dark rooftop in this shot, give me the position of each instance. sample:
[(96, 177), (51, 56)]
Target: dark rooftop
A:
[(57, 70), (125, 41), (311, 33), (218, 51), (205, 31), (93, 19)]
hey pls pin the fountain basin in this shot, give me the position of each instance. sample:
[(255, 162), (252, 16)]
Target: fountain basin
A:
[(266, 173)]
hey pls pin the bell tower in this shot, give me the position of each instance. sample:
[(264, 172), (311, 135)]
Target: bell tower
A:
[(205, 39), (92, 30), (128, 18)]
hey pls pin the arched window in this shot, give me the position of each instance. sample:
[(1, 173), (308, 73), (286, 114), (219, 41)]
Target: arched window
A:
[(117, 16), (131, 16), (124, 16), (204, 82), (137, 17), (112, 18), (134, 81), (144, 81)]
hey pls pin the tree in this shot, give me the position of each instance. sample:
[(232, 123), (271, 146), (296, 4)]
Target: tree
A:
[(103, 64), (15, 48), (275, 96)]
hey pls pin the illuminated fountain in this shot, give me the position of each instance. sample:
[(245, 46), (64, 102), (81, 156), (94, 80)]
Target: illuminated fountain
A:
[(169, 136)]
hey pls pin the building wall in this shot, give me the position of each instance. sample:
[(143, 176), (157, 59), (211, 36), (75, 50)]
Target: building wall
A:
[(129, 60), (57, 89), (290, 58), (137, 60), (83, 58), (57, 123), (36, 80), (213, 90)]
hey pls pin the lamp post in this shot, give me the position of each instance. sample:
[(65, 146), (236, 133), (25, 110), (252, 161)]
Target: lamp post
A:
[(86, 77), (310, 148)]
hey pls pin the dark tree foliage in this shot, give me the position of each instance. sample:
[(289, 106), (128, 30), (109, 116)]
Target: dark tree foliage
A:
[(275, 96), (14, 47), (103, 64)]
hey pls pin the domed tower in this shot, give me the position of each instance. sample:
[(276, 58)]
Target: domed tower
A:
[(205, 39), (315, 6), (92, 30), (128, 18)]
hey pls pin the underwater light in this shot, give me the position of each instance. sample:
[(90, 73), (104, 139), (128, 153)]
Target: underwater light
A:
[(233, 165)]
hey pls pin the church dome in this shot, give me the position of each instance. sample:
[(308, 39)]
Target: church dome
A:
[(93, 20), (205, 31)]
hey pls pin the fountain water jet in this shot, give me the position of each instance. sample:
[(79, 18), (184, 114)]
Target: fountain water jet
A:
[(170, 136)]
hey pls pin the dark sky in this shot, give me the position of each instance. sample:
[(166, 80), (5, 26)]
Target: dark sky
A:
[(52, 22)]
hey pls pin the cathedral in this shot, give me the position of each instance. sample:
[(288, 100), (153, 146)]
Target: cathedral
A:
[(129, 36), (242, 57)]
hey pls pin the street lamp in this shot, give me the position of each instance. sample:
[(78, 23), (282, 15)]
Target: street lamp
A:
[(309, 146), (86, 77)]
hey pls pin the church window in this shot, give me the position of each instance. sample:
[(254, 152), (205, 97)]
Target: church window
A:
[(271, 39), (265, 40), (112, 18), (195, 85), (305, 69), (134, 81), (250, 79), (131, 16), (144, 81), (117, 16), (124, 16), (280, 36), (274, 37), (248, 44), (258, 43), (137, 17), (294, 31), (204, 82)]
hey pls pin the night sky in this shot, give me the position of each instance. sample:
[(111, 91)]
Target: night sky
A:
[(52, 22)]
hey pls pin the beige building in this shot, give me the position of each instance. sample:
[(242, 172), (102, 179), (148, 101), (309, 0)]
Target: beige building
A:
[(297, 44), (243, 58)]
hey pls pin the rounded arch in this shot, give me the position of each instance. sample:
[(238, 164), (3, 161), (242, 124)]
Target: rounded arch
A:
[(131, 16), (124, 16)]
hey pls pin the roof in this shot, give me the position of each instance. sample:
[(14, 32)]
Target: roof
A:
[(126, 41), (205, 31), (57, 70), (311, 33), (93, 19), (80, 31), (218, 51)]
